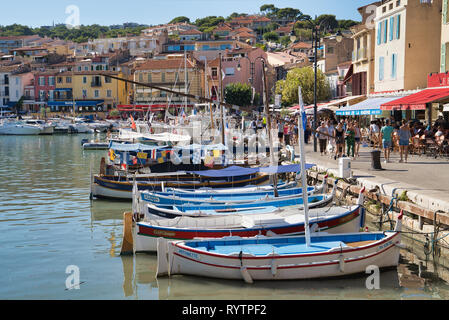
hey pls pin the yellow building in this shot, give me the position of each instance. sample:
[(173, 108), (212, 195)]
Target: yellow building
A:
[(90, 90), (168, 73)]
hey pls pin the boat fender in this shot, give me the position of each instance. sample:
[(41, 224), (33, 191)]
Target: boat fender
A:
[(342, 263), (314, 228), (398, 227), (245, 274), (271, 234), (274, 267), (162, 259)]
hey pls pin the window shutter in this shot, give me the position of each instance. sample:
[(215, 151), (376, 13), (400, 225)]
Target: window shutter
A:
[(379, 33), (443, 58), (381, 68), (391, 28), (385, 31), (398, 26)]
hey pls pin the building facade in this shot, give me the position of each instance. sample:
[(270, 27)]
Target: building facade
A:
[(408, 43)]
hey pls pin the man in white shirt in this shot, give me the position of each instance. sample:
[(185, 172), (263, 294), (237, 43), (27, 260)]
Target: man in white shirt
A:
[(374, 133)]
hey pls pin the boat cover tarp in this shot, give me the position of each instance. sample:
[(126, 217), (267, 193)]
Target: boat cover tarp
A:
[(235, 171), (134, 147)]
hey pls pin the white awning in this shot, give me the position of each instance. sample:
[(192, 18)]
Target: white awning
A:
[(370, 106)]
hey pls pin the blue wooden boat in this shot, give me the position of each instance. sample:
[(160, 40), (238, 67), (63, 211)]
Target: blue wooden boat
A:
[(181, 199)]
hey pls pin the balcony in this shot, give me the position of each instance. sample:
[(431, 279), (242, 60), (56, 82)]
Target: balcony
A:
[(359, 55), (95, 84)]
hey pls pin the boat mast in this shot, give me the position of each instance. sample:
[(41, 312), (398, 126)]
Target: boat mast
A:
[(206, 86), (221, 100), (185, 80), (302, 154), (270, 138)]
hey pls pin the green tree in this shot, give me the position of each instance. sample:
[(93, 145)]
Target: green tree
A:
[(239, 94), (180, 19), (285, 41), (271, 36), (207, 24), (303, 77), (268, 9), (327, 21), (288, 13)]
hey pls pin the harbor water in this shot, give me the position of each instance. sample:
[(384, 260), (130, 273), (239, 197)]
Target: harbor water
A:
[(49, 227)]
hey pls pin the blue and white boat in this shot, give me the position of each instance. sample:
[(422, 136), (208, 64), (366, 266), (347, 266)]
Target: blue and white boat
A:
[(182, 199)]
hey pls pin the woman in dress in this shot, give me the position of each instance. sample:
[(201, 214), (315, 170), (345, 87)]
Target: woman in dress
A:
[(339, 140)]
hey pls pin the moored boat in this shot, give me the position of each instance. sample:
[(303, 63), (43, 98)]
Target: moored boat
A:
[(280, 258)]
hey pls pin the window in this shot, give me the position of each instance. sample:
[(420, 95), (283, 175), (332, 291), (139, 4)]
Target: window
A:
[(109, 93), (379, 33), (384, 9), (140, 77), (381, 68), (96, 93), (51, 95), (391, 28), (42, 81), (385, 30), (51, 81), (391, 6), (84, 94), (84, 79), (394, 65), (230, 71), (149, 78), (68, 79), (60, 80), (398, 3), (162, 76), (86, 68), (330, 50), (107, 80), (79, 68), (398, 26)]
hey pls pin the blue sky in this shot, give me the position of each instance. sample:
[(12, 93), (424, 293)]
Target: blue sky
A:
[(106, 12)]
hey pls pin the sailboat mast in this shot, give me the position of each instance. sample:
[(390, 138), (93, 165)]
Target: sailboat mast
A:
[(270, 138), (303, 167), (186, 90), (207, 94), (221, 100)]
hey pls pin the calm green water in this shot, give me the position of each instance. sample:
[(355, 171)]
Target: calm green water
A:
[(47, 223)]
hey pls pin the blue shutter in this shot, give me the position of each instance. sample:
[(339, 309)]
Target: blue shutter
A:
[(385, 31), (381, 68), (398, 26), (391, 28), (379, 33), (394, 63)]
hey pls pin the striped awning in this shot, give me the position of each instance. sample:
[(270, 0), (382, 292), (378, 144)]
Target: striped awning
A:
[(370, 106)]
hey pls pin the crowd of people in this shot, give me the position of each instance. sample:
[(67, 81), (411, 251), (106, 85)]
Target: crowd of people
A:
[(343, 138)]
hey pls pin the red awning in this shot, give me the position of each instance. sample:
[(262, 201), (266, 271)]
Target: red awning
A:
[(349, 74), (417, 101)]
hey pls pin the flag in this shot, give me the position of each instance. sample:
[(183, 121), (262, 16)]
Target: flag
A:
[(160, 160), (216, 153), (134, 160), (142, 155), (209, 161), (123, 166), (153, 154), (112, 155), (133, 124)]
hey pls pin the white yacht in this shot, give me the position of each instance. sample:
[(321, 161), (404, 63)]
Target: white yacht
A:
[(46, 129), (18, 128)]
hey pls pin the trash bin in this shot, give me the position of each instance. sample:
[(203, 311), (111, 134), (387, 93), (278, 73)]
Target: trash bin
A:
[(375, 160), (344, 165)]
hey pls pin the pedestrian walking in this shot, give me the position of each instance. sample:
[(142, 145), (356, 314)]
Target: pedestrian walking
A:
[(404, 140), (386, 134), (357, 137), (350, 140), (322, 138), (339, 140)]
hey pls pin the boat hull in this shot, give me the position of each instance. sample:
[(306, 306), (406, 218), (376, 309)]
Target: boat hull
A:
[(146, 235), (103, 187), (335, 263)]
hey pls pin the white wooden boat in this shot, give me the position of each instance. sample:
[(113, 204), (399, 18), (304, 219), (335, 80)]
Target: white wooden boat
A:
[(280, 258), (18, 128)]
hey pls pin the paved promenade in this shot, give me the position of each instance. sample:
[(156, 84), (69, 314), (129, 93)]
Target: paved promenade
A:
[(426, 179)]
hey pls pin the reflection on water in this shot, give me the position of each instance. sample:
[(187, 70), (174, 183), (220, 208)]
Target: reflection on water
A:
[(47, 223)]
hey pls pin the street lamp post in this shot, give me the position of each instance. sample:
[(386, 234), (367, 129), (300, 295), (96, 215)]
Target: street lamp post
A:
[(315, 41)]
